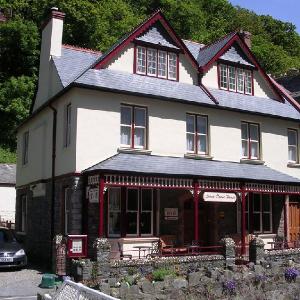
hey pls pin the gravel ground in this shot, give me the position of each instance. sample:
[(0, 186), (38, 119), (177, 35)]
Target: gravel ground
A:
[(21, 284)]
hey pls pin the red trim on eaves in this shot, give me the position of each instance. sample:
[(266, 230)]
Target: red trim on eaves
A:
[(157, 16)]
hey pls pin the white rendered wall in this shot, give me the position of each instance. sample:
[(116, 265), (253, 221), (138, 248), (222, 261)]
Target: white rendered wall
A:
[(7, 203), (98, 130)]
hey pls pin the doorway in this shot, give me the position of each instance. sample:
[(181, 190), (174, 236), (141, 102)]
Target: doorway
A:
[(294, 221)]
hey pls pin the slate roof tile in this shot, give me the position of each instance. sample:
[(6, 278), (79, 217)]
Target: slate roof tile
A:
[(179, 166), (7, 174)]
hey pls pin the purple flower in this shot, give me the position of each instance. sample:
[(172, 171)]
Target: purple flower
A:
[(291, 274), (229, 287)]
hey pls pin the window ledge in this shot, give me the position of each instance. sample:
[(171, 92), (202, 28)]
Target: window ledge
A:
[(135, 151), (293, 165), (198, 156), (252, 161)]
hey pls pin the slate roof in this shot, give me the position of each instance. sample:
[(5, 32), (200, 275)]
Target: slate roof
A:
[(154, 87), (234, 54), (179, 166), (72, 62), (292, 84), (7, 174), (208, 52), (157, 35), (193, 47), (143, 85)]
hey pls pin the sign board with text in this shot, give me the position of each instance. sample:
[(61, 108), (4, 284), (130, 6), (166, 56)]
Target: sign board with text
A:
[(171, 213), (219, 197)]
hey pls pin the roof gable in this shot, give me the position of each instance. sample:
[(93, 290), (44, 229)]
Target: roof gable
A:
[(144, 29), (236, 55), (157, 35)]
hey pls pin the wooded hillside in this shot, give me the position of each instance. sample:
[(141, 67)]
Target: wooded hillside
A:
[(98, 24)]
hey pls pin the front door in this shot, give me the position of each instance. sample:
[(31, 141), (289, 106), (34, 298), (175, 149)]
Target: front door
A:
[(294, 221)]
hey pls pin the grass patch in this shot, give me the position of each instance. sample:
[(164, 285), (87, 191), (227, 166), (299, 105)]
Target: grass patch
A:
[(160, 274), (7, 156)]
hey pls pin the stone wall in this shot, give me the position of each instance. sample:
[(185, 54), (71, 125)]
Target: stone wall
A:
[(38, 222)]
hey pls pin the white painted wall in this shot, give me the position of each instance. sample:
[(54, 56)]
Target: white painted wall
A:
[(98, 130), (261, 86), (7, 203)]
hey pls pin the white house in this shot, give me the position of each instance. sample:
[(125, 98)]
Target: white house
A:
[(7, 192), (157, 136)]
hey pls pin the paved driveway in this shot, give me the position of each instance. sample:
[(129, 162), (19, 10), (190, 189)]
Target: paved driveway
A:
[(20, 284)]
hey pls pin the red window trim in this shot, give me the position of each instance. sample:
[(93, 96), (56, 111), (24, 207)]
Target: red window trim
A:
[(297, 144), (249, 140), (236, 66), (196, 133), (132, 107), (167, 58)]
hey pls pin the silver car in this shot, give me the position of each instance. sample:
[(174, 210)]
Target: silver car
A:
[(12, 253)]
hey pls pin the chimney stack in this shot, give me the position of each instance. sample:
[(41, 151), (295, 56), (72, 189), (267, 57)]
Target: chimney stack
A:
[(52, 32), (246, 36)]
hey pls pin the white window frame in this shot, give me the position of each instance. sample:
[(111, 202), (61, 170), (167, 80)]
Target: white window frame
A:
[(141, 60), (162, 65), (109, 210), (240, 80), (196, 134), (249, 140), (231, 80), (68, 125), (223, 77), (248, 82), (294, 146), (151, 62), (172, 63), (126, 125), (25, 147)]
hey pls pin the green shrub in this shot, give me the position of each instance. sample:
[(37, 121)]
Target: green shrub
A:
[(160, 274)]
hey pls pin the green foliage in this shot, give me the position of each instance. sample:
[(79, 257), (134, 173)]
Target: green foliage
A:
[(161, 273), (7, 156), (99, 24)]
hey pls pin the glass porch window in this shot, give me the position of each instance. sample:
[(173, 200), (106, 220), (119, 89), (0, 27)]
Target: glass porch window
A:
[(146, 216), (196, 134), (114, 211), (132, 211), (250, 140), (262, 213), (293, 145), (151, 62), (133, 126), (162, 64), (172, 66), (141, 60)]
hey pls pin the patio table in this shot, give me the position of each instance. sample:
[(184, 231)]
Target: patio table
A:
[(144, 248)]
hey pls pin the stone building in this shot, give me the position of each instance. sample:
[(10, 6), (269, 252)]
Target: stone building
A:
[(157, 136)]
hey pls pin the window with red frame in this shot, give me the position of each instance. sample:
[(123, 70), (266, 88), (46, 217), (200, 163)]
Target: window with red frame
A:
[(156, 63), (196, 134), (250, 140), (235, 79), (134, 126)]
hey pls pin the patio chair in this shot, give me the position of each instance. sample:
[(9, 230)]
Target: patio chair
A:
[(155, 251), (122, 255)]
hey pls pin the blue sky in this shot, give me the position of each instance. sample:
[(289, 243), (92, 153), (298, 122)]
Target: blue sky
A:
[(285, 10)]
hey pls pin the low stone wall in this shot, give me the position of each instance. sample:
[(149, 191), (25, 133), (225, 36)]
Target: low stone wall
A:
[(283, 255)]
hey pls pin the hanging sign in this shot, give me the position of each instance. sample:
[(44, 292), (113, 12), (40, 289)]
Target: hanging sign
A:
[(219, 197), (171, 213)]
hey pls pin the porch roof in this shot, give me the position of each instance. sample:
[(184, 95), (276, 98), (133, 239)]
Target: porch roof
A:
[(179, 166)]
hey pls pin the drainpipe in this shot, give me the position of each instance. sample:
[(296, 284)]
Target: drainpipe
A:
[(53, 177)]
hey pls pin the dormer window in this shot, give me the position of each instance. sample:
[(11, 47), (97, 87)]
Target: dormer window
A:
[(235, 79), (156, 63)]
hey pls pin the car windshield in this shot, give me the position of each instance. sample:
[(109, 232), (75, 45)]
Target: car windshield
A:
[(6, 236)]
